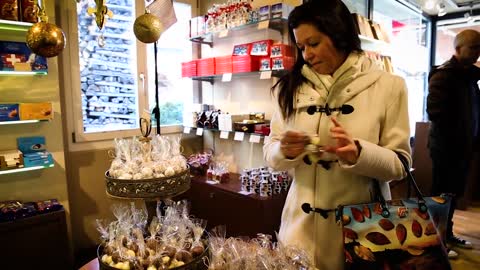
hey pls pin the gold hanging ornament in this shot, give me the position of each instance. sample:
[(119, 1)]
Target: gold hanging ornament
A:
[(43, 38), (101, 12), (148, 27)]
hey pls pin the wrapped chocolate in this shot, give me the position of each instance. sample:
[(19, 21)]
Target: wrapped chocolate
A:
[(171, 240), (28, 11), (9, 10)]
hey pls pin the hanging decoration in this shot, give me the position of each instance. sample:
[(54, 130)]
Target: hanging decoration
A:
[(44, 38), (158, 17), (102, 13), (147, 28)]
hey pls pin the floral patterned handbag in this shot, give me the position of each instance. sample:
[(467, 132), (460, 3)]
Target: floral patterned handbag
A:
[(398, 234)]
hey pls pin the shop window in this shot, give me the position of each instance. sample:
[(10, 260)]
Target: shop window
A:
[(357, 6), (115, 82), (409, 33), (173, 48)]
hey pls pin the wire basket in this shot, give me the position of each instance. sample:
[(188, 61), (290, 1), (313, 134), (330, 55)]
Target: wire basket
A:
[(165, 187)]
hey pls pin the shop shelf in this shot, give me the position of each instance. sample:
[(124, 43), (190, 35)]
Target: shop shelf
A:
[(376, 45), (15, 26), (25, 169), (275, 73), (278, 24), (22, 73), (21, 122), (218, 131)]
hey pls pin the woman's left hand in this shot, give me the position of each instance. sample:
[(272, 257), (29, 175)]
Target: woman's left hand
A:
[(345, 147)]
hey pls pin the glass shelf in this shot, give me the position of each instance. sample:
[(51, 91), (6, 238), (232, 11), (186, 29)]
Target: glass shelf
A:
[(371, 44), (22, 73), (211, 78), (15, 26), (21, 122), (278, 24), (217, 130), (26, 169)]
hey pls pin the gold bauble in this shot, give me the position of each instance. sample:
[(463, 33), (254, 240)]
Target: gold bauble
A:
[(147, 28), (45, 39)]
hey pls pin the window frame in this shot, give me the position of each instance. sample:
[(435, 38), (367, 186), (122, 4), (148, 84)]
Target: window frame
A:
[(70, 78)]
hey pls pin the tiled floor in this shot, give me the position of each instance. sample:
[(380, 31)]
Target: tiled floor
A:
[(467, 226)]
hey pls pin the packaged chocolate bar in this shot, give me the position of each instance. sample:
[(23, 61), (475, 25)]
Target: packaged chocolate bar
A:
[(11, 210), (48, 206), (28, 11), (9, 10)]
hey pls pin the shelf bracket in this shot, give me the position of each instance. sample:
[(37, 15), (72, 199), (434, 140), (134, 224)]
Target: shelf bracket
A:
[(201, 40)]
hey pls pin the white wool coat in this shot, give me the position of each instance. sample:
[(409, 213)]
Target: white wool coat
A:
[(379, 122)]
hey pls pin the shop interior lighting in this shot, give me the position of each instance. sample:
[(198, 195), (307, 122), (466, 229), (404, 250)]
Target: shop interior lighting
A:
[(22, 73), (441, 9), (14, 25), (429, 4), (25, 169)]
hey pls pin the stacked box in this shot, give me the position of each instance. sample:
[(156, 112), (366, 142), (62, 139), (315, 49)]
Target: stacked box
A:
[(280, 10), (36, 111), (245, 63), (277, 50), (261, 47), (223, 64), (206, 67), (242, 49), (265, 64), (189, 69), (282, 63), (9, 112)]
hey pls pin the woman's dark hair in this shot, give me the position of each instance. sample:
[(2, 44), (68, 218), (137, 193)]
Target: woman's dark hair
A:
[(332, 18)]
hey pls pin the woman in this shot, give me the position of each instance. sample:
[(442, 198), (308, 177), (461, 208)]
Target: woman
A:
[(356, 147)]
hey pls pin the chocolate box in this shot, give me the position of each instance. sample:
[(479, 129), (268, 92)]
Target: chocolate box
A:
[(9, 10), (9, 112), (17, 52), (36, 111)]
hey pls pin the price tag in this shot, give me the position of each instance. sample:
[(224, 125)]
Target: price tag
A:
[(265, 75), (224, 135), (199, 131), (223, 34), (255, 138), (226, 77), (186, 130), (263, 24), (212, 182), (243, 192), (239, 136)]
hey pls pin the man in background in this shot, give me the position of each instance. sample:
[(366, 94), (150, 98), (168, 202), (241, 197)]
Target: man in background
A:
[(453, 107)]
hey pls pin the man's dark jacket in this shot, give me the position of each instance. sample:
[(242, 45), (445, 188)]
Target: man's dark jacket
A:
[(449, 108)]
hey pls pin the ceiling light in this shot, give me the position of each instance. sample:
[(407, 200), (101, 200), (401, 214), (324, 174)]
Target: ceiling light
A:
[(441, 9), (429, 4)]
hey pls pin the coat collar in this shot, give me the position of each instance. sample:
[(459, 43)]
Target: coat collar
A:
[(355, 75)]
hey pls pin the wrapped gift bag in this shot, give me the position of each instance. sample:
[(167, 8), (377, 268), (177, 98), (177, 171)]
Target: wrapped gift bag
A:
[(398, 234)]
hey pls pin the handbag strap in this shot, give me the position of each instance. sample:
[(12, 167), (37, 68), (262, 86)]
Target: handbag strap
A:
[(411, 183)]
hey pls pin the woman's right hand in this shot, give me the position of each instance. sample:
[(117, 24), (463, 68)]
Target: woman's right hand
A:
[(293, 143)]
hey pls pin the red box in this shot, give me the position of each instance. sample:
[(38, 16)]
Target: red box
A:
[(278, 50), (189, 69), (261, 47), (265, 63), (282, 63), (223, 64), (206, 67), (245, 63), (242, 49), (263, 129)]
